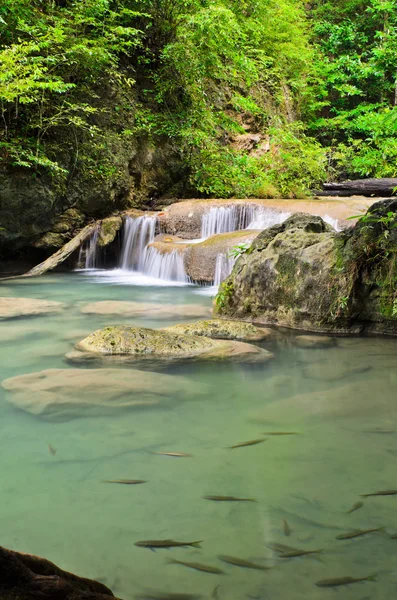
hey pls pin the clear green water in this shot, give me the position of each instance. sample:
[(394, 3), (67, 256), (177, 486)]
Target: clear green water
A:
[(342, 400)]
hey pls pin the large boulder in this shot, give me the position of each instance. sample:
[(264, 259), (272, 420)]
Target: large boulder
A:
[(12, 308), (139, 345), (63, 394), (30, 577), (304, 275), (200, 259), (223, 330)]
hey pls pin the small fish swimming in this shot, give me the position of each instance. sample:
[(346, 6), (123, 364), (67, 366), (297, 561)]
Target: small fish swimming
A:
[(51, 450), (394, 536), (197, 566), (228, 499), (240, 562), (380, 493), (125, 481), (249, 443), (287, 529), (355, 506), (280, 433), (357, 533), (174, 454), (166, 544), (297, 553), (344, 581), (282, 548)]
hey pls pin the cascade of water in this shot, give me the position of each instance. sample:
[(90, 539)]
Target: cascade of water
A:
[(222, 219), (168, 266), (333, 222), (138, 233), (266, 217), (223, 267), (88, 254)]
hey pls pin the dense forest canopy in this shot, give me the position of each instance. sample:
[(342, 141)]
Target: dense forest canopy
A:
[(316, 83)]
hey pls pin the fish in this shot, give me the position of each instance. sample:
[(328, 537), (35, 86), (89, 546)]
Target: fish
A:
[(357, 533), (174, 454), (166, 596), (240, 562), (125, 481), (197, 566), (296, 553), (344, 580), (380, 493), (166, 544), (280, 433), (228, 499), (215, 591), (355, 506), (291, 552), (51, 450), (249, 443), (287, 528)]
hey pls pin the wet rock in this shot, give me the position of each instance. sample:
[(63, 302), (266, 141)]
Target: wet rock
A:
[(314, 341), (148, 310), (64, 394), (304, 275), (200, 259), (29, 577), (333, 371), (223, 330), (12, 308), (139, 345), (108, 230)]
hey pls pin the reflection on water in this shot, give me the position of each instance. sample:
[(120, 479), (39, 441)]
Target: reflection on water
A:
[(340, 401)]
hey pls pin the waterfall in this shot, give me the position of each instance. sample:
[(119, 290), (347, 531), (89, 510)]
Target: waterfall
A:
[(88, 254), (266, 217), (137, 234), (224, 219), (223, 267), (333, 222), (168, 266)]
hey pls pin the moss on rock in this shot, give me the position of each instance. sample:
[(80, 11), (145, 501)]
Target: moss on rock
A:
[(222, 329)]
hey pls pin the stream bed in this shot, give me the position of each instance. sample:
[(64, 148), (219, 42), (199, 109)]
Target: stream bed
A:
[(338, 401)]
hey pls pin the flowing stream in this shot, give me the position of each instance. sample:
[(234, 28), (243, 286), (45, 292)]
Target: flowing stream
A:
[(339, 400)]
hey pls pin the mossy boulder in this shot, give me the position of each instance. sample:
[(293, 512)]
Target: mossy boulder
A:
[(108, 230), (302, 274), (139, 343), (223, 330)]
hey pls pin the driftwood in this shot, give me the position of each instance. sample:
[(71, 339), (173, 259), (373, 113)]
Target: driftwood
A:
[(29, 577), (63, 253), (360, 187)]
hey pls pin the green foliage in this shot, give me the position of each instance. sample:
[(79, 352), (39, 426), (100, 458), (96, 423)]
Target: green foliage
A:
[(239, 250), (224, 294)]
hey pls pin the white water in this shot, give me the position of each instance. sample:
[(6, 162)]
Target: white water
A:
[(224, 219), (168, 266), (223, 267), (89, 252), (137, 234), (333, 222)]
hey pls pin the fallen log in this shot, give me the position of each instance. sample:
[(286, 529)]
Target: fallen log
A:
[(29, 577), (63, 253), (361, 187)]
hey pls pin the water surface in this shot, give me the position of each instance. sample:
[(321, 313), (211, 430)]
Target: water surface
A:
[(340, 400)]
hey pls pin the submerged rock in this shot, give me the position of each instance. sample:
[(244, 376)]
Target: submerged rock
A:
[(302, 274), (30, 577), (143, 309), (223, 330), (64, 394), (12, 308), (314, 341), (134, 344)]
